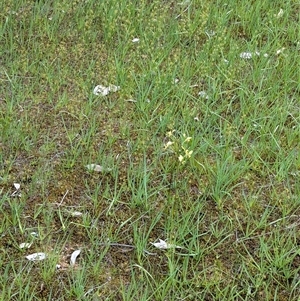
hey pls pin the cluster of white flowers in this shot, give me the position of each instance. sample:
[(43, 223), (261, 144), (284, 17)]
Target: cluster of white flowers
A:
[(179, 146)]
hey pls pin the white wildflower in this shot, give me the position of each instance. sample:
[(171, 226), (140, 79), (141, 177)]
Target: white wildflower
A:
[(168, 144), (210, 33), (188, 153), (203, 94), (170, 133), (280, 50), (181, 159), (280, 14), (187, 139)]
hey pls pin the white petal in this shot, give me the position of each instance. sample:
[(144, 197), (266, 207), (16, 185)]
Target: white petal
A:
[(76, 213), (164, 245), (36, 256), (130, 100), (74, 257), (246, 55), (97, 168), (101, 90), (210, 33), (25, 245), (113, 88), (180, 158), (17, 186), (203, 94), (168, 144), (280, 50), (135, 40), (280, 14), (94, 167)]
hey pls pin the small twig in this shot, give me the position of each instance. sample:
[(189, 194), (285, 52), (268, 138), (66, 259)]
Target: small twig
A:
[(183, 11), (63, 198), (113, 244), (280, 219)]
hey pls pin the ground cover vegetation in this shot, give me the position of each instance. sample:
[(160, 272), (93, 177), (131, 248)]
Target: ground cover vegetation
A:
[(179, 180)]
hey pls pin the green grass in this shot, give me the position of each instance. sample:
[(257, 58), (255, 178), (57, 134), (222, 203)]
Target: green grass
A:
[(216, 174)]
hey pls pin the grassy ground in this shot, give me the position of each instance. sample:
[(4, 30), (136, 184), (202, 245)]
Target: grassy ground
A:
[(199, 148)]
